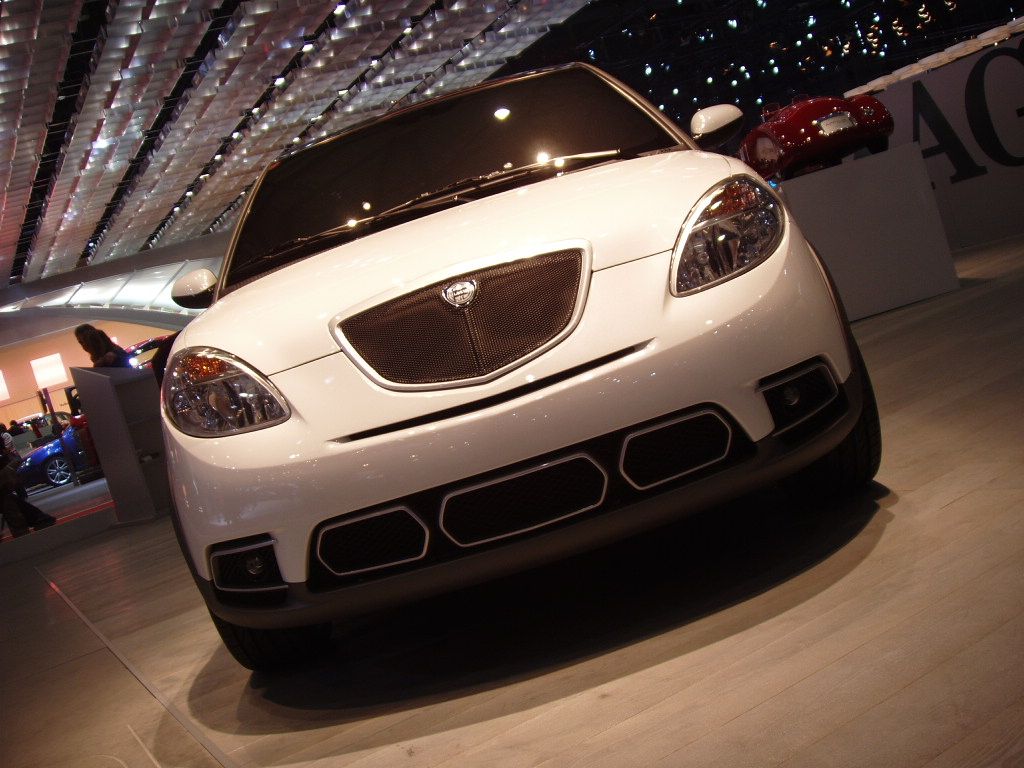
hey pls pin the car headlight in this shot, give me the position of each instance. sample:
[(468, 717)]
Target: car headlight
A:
[(210, 393), (734, 227)]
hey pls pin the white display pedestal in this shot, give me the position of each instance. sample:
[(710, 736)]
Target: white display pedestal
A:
[(876, 224), (123, 408)]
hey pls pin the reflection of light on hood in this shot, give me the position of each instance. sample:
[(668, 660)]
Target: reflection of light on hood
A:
[(133, 362)]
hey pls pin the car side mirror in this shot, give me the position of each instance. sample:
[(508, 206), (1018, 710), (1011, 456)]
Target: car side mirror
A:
[(195, 289), (712, 127)]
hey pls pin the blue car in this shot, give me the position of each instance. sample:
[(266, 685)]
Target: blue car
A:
[(48, 464)]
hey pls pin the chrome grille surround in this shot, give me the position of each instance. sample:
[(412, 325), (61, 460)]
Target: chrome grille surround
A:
[(436, 284)]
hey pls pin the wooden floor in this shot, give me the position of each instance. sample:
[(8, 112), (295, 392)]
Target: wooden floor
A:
[(886, 631)]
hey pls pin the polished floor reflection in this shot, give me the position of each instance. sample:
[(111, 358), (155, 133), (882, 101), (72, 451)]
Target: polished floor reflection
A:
[(884, 631)]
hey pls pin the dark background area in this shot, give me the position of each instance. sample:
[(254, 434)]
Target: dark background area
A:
[(687, 54)]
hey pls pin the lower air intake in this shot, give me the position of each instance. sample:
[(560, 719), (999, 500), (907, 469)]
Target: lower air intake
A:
[(371, 541), (523, 501), (675, 448)]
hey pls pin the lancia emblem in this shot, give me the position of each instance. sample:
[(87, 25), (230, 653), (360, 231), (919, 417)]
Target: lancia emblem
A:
[(460, 294)]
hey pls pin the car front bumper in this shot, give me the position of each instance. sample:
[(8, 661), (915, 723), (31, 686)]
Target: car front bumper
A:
[(766, 461)]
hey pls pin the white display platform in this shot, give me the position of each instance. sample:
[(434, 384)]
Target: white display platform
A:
[(876, 224), (123, 408)]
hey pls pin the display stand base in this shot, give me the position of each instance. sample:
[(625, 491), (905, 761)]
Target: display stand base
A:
[(876, 224)]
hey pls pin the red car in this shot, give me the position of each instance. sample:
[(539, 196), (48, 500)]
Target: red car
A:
[(813, 133), (141, 355)]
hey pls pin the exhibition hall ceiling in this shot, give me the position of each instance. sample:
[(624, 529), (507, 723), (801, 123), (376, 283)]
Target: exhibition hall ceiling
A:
[(126, 123)]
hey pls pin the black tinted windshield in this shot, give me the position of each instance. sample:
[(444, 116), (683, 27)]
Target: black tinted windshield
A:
[(418, 151)]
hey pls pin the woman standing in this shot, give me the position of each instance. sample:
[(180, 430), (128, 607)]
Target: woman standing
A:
[(103, 352)]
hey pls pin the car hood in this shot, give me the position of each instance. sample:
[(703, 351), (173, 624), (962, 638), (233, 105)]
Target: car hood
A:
[(622, 211)]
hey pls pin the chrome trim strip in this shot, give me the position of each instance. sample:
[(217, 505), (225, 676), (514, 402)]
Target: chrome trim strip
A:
[(491, 400), (797, 375), (586, 263), (662, 425), (358, 518), (268, 542), (513, 476)]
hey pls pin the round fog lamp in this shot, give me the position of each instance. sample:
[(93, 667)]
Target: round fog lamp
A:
[(790, 396), (255, 566)]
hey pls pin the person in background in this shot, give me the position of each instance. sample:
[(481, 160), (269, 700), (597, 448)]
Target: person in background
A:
[(16, 428), (15, 508), (8, 444), (10, 512), (103, 352)]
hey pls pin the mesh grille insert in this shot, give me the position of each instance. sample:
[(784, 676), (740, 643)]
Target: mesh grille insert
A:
[(673, 449), (421, 339), (524, 501), (372, 541)]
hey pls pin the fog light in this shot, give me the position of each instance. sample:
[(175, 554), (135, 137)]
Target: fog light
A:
[(790, 396), (246, 565), (255, 566), (797, 394)]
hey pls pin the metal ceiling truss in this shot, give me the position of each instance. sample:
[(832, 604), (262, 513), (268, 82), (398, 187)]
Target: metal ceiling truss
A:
[(180, 103)]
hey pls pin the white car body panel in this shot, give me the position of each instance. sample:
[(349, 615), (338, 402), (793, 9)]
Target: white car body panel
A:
[(591, 204)]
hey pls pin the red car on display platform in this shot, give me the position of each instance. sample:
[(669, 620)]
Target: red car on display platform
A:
[(813, 133)]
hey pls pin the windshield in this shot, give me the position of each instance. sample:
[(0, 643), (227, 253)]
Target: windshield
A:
[(417, 152)]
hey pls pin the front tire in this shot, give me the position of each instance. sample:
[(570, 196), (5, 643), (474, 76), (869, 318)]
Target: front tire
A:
[(267, 649)]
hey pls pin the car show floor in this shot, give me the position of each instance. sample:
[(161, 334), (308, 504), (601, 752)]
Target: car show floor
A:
[(885, 630)]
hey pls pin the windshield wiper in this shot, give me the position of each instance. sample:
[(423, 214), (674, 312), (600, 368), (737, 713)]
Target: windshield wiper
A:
[(449, 193), (502, 176)]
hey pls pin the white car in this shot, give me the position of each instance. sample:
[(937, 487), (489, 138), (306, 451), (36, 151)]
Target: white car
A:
[(484, 332)]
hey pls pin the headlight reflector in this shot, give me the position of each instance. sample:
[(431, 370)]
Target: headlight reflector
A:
[(210, 393), (734, 227)]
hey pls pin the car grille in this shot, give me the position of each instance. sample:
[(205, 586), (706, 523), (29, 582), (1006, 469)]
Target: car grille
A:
[(420, 339), (590, 478), (367, 542), (667, 451), (523, 501)]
